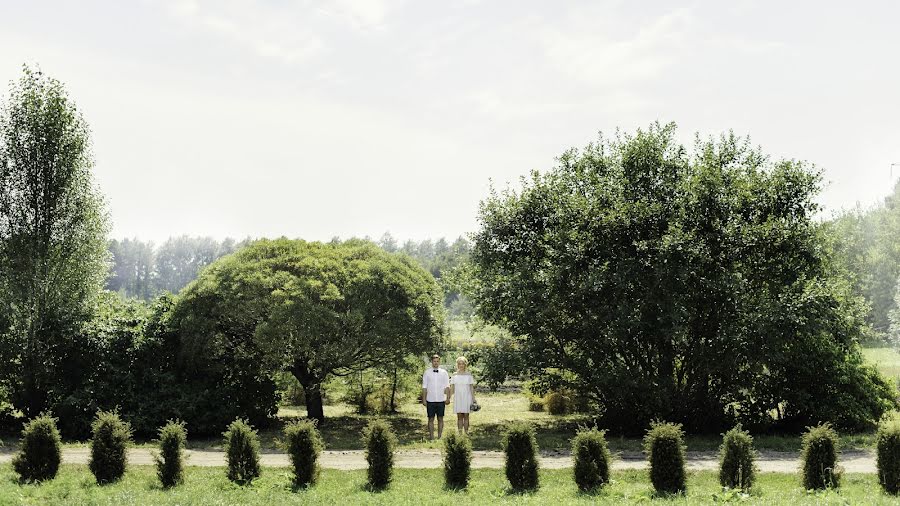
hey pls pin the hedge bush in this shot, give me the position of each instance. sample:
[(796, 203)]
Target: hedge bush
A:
[(558, 403), (457, 460), (40, 452), (887, 443), (818, 456), (737, 468), (535, 403), (242, 451), (664, 444), (109, 447), (380, 442), (170, 459), (304, 444), (521, 450), (591, 459)]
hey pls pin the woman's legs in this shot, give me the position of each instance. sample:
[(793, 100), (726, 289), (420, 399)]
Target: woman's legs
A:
[(465, 421), (460, 417)]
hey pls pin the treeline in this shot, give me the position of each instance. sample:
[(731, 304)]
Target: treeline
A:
[(868, 244), (141, 270)]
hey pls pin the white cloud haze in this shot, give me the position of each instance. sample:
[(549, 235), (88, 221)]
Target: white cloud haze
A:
[(356, 117)]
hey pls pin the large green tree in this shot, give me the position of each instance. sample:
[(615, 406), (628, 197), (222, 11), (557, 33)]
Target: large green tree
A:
[(694, 288), (52, 238), (315, 310)]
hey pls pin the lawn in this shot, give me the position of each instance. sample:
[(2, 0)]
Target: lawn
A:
[(75, 486), (886, 359)]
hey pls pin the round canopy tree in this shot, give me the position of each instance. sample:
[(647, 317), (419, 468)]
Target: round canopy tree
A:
[(691, 288), (313, 309)]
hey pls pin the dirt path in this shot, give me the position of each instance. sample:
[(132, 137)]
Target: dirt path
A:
[(768, 461)]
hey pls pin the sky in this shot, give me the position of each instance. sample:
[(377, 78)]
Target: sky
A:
[(359, 117)]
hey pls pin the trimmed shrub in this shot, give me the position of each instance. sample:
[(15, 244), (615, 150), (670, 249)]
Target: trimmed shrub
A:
[(380, 442), (457, 460), (664, 445), (170, 460), (40, 452), (737, 468), (521, 450), (242, 452), (535, 403), (303, 444), (887, 444), (591, 459), (109, 447), (818, 457), (558, 403)]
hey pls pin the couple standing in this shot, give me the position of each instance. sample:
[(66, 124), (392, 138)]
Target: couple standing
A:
[(438, 388)]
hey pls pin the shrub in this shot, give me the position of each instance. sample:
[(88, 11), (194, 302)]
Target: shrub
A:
[(521, 450), (170, 460), (664, 444), (40, 453), (535, 403), (109, 446), (591, 459), (819, 456), (457, 460), (887, 443), (558, 403), (304, 445), (242, 451), (736, 468), (380, 441)]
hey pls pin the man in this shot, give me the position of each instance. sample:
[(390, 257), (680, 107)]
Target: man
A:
[(435, 394)]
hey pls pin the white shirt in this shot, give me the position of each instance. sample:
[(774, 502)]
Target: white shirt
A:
[(434, 384)]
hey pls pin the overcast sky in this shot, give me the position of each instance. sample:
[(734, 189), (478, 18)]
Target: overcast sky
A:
[(356, 117)]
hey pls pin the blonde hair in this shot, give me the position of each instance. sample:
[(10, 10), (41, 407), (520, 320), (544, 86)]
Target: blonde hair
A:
[(462, 359)]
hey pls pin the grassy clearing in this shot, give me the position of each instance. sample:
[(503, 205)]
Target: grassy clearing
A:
[(886, 359), (75, 486)]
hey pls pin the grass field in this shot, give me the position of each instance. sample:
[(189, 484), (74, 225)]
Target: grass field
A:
[(886, 359), (75, 486)]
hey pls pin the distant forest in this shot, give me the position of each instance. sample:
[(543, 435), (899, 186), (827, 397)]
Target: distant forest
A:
[(142, 270)]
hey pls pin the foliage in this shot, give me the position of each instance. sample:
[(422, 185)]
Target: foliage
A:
[(501, 360), (304, 444), (887, 447), (457, 460), (52, 241), (109, 447), (316, 310), (664, 445), (40, 452), (380, 442), (818, 457), (559, 403), (591, 457), (170, 460), (521, 450), (535, 403), (866, 243), (737, 468), (242, 451), (696, 287)]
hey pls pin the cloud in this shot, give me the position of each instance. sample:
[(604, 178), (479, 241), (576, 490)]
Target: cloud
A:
[(587, 53)]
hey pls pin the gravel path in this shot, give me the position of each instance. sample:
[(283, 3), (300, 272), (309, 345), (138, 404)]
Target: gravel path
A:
[(768, 461)]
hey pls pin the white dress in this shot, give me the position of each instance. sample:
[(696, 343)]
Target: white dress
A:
[(462, 392)]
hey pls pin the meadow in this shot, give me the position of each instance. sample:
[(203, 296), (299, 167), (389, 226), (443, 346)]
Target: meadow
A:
[(75, 486)]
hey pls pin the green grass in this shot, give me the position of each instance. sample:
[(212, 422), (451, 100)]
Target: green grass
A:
[(886, 359), (75, 486)]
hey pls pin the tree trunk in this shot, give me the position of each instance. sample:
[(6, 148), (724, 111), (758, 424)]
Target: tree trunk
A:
[(312, 390), (394, 392)]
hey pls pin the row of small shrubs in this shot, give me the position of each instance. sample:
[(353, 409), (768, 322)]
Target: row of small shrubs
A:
[(40, 455)]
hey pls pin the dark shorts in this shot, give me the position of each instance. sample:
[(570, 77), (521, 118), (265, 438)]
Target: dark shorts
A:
[(435, 408)]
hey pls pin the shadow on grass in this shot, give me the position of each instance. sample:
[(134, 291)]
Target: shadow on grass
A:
[(520, 492)]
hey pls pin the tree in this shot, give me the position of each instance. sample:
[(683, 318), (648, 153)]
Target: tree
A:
[(52, 238), (316, 310), (692, 288)]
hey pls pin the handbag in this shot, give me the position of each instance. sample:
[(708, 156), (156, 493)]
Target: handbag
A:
[(474, 406)]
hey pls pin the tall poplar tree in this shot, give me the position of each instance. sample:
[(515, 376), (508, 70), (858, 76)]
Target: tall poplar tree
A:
[(53, 255)]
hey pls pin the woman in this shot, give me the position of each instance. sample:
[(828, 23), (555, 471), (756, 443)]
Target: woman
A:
[(462, 388)]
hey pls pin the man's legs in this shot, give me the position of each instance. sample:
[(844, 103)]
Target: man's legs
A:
[(431, 427), (440, 426)]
